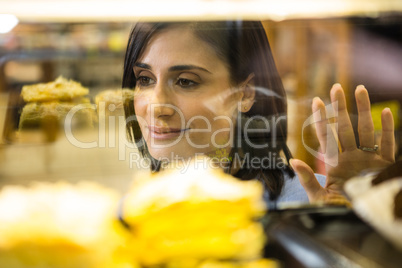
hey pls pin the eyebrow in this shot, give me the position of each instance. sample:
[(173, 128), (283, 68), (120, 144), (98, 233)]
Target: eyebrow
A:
[(186, 67), (143, 65), (173, 68)]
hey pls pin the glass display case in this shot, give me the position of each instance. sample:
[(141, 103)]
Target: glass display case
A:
[(82, 44)]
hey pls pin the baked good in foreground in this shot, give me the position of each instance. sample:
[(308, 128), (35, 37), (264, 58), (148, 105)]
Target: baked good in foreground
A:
[(199, 218), (59, 90), (195, 213), (60, 225), (377, 199)]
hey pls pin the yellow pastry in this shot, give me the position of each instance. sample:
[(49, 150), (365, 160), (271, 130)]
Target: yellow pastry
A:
[(60, 225), (35, 114), (59, 90), (195, 213)]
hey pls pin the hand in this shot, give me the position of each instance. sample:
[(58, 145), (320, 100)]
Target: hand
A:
[(352, 160)]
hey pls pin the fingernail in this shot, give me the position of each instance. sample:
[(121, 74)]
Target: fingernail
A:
[(336, 85), (291, 164), (315, 99), (361, 86)]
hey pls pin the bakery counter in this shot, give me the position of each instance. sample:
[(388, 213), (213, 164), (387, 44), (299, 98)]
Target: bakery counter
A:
[(307, 236)]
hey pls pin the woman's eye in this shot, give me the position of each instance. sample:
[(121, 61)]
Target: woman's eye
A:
[(186, 82), (144, 81)]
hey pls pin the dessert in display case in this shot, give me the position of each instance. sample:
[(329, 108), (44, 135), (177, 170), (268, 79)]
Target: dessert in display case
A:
[(167, 133)]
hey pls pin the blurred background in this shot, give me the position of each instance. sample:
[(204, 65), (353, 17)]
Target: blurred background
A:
[(315, 45)]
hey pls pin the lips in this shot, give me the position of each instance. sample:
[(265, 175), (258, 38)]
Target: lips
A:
[(165, 132)]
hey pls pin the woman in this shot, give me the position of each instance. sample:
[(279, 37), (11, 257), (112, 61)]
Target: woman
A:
[(213, 88)]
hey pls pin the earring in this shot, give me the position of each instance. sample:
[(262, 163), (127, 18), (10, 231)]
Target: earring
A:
[(245, 107)]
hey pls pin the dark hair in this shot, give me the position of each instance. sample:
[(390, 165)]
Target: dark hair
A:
[(244, 47)]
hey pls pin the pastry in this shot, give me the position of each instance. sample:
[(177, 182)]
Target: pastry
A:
[(48, 104), (35, 114), (59, 90), (112, 101), (195, 213), (60, 225)]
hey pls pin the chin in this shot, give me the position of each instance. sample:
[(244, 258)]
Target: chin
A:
[(175, 153), (170, 155)]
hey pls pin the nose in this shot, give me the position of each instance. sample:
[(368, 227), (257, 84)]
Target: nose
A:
[(161, 102)]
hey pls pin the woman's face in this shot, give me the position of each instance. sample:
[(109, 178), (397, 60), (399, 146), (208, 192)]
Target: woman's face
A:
[(184, 100)]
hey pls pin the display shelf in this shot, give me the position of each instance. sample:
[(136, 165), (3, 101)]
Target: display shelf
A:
[(124, 10)]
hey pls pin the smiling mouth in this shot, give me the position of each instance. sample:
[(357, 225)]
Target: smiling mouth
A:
[(163, 133), (161, 130)]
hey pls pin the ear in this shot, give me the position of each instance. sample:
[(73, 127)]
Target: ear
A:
[(248, 90)]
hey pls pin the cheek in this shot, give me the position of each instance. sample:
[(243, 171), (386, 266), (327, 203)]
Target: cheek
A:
[(220, 125), (216, 114), (140, 106), (224, 102), (223, 129)]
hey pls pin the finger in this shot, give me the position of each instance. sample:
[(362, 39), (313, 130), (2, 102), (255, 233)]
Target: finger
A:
[(307, 179), (365, 123), (325, 135), (345, 129), (388, 136), (320, 119)]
